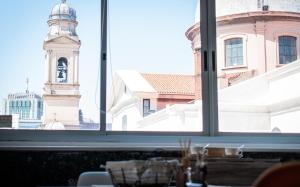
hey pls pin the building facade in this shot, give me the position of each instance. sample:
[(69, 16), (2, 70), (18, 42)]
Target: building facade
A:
[(253, 37), (61, 88), (29, 106), (135, 95)]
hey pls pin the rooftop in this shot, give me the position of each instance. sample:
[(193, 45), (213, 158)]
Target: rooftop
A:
[(171, 84)]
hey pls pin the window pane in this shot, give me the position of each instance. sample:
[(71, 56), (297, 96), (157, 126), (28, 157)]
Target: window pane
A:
[(49, 64), (234, 52), (259, 97), (287, 49), (151, 56)]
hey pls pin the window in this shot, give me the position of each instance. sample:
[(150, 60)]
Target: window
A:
[(157, 87), (234, 52), (184, 106), (287, 49), (66, 82), (62, 70), (257, 98), (146, 107)]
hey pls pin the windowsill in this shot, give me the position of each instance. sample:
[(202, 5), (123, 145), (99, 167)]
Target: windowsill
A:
[(234, 67), (280, 65), (109, 146), (87, 140)]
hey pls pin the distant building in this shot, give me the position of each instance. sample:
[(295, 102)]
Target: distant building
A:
[(28, 106), (61, 86), (135, 95)]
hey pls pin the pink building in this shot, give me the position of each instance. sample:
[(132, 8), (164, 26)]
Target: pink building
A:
[(253, 37)]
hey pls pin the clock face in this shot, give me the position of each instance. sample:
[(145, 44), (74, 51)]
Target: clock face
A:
[(62, 70)]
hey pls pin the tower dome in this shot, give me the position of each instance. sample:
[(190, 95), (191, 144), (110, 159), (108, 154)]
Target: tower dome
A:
[(62, 20), (63, 11)]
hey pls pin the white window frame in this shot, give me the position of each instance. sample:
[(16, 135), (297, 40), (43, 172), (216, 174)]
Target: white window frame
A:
[(11, 139), (222, 50)]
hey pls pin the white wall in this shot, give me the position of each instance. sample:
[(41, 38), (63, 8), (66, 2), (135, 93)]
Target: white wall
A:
[(257, 105), (133, 114)]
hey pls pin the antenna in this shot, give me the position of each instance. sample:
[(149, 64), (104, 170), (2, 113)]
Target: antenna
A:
[(27, 82)]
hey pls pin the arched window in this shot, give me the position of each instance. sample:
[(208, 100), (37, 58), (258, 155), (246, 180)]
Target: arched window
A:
[(233, 52), (62, 70), (287, 49)]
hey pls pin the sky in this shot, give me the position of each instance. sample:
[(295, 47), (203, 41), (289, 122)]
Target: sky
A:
[(144, 35)]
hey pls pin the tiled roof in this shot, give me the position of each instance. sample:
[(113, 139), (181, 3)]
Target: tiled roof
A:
[(171, 84)]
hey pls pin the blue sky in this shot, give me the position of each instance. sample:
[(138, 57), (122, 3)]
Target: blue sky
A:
[(146, 35)]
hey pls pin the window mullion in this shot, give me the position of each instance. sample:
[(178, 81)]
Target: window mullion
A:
[(103, 65), (212, 68), (204, 66)]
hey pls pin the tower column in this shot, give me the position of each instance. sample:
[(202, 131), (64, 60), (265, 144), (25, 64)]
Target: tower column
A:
[(76, 68)]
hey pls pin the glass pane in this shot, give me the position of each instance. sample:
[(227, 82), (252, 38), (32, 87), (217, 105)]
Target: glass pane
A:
[(49, 64), (287, 49), (154, 52), (234, 50), (259, 96)]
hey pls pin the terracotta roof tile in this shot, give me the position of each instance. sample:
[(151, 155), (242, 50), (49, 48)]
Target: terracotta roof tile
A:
[(171, 84)]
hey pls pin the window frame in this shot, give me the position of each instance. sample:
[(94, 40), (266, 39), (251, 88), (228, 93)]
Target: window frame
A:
[(276, 36), (222, 50), (225, 48), (43, 139), (278, 43), (148, 107)]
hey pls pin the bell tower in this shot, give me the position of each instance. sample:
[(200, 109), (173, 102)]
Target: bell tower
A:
[(61, 87)]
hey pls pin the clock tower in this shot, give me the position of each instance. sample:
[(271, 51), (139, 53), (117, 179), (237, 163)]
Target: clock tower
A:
[(61, 88)]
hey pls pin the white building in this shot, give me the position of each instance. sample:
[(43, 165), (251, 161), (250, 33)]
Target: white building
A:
[(134, 95), (266, 103), (61, 88), (258, 44)]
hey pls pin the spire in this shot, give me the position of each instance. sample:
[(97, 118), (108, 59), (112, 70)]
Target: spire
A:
[(63, 1), (27, 82)]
